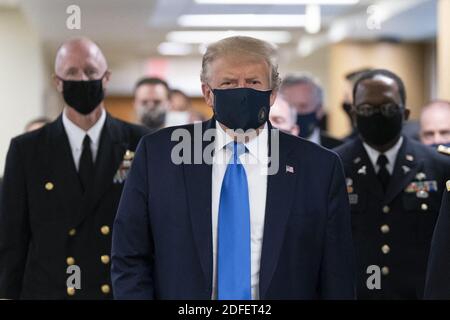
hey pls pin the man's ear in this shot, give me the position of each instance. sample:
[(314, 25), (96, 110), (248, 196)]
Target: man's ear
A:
[(353, 115), (407, 113), (106, 78), (208, 95), (295, 130), (273, 97), (58, 83), (320, 113)]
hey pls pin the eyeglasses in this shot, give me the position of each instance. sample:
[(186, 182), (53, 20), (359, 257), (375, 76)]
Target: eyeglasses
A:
[(389, 109)]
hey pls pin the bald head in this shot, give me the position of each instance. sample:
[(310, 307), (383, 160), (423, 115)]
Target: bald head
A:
[(80, 59), (435, 123)]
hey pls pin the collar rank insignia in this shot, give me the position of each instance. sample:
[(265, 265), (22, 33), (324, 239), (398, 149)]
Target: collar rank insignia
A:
[(362, 170)]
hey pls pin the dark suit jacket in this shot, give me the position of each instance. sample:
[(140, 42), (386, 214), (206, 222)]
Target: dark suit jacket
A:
[(393, 230), (438, 274), (1, 186), (45, 217), (162, 240), (329, 142)]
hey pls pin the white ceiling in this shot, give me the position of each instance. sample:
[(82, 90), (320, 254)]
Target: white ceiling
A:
[(136, 27), (130, 31)]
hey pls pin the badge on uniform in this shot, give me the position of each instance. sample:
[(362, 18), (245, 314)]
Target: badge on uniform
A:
[(422, 187), (362, 170), (352, 197), (124, 167)]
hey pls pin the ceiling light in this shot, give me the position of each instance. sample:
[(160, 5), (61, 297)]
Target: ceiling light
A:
[(174, 49), (212, 36), (242, 20), (279, 2), (313, 19)]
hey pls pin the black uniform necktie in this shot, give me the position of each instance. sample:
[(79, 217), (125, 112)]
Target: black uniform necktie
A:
[(86, 168), (383, 173)]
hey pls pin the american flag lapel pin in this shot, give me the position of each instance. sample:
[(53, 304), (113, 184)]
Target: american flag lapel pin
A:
[(290, 169)]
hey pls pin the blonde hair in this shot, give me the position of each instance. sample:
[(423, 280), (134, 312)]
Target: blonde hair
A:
[(246, 47)]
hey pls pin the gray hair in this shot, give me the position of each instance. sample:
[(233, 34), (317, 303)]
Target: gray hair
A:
[(294, 79), (246, 47)]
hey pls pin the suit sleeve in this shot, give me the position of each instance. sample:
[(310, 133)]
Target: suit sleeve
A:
[(132, 243), (14, 226), (437, 284), (337, 269)]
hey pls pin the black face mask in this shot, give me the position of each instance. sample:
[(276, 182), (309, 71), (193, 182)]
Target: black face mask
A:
[(83, 96), (307, 123), (379, 130), (241, 108)]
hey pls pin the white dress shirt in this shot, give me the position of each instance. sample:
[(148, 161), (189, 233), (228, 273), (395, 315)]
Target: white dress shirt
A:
[(391, 155), (76, 136), (315, 136), (255, 163)]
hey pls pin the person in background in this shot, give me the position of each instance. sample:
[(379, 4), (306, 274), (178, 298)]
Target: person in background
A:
[(283, 117), (304, 93), (228, 226), (151, 102), (394, 186), (36, 124), (181, 111), (62, 186), (435, 124)]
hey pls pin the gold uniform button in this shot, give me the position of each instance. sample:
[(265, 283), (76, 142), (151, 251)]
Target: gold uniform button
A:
[(106, 289), (386, 209), (385, 249), (385, 271), (424, 207), (70, 291), (70, 261), (72, 232), (49, 186), (385, 229), (104, 230), (105, 259)]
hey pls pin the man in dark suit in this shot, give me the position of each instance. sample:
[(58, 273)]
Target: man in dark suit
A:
[(305, 95), (223, 223), (62, 186), (394, 188), (1, 185), (437, 285)]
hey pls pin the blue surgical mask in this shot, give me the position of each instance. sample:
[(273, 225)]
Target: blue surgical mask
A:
[(307, 123), (241, 108)]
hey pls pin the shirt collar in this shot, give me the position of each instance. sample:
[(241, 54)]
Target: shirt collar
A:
[(391, 154), (257, 146), (315, 136), (76, 134)]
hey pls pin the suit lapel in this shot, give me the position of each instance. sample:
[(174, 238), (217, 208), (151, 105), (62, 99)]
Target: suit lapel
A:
[(109, 156), (198, 187), (65, 176), (280, 194), (406, 167)]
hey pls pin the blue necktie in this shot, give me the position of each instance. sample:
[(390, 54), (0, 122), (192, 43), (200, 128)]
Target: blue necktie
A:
[(234, 267)]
